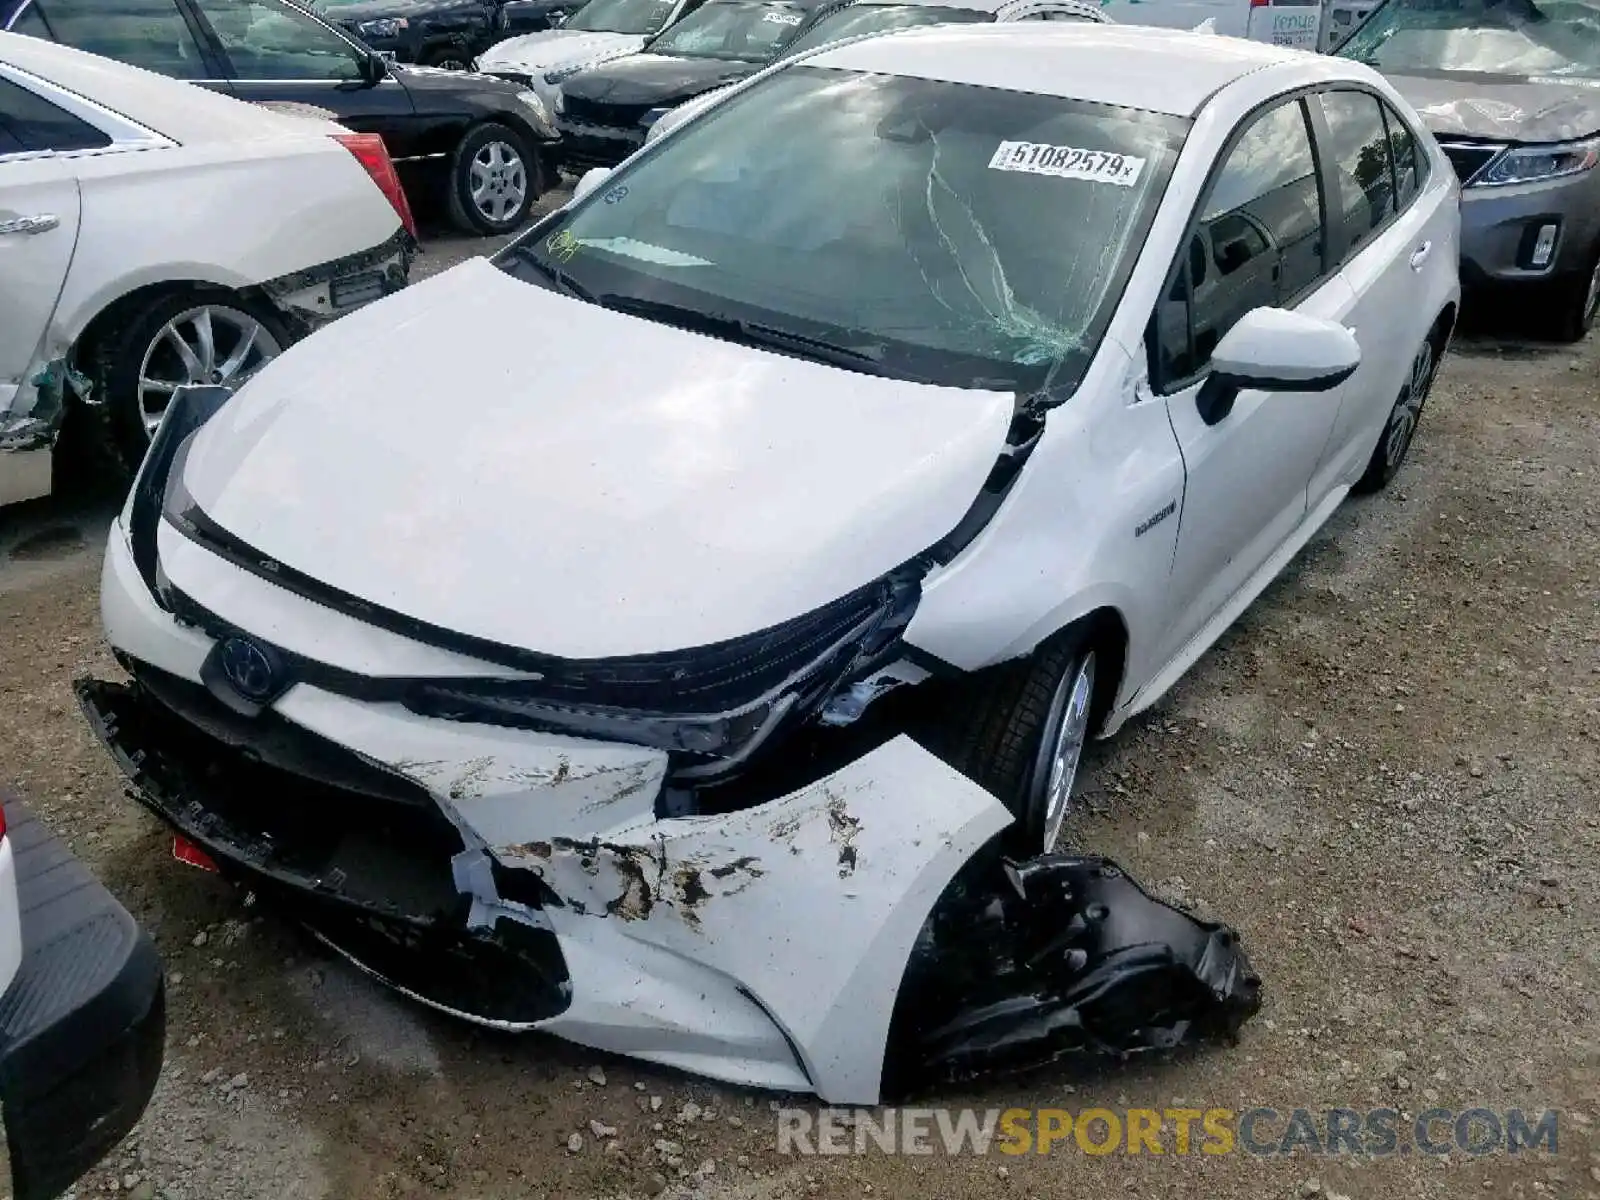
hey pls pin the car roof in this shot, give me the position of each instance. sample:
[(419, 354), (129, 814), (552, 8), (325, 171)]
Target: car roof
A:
[(180, 111), (1160, 70)]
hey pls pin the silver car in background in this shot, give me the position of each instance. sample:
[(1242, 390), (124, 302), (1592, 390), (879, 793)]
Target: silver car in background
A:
[(1511, 89)]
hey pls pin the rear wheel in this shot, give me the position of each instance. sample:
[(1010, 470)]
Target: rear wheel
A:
[(1024, 731), (187, 337), (1401, 427)]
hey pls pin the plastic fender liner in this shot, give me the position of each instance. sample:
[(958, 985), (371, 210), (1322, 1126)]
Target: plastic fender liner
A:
[(808, 906), (1020, 964)]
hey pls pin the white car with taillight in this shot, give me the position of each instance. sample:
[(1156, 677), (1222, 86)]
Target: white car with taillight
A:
[(154, 234)]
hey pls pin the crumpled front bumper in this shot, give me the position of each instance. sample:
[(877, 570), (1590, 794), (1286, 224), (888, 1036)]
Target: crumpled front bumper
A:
[(855, 935)]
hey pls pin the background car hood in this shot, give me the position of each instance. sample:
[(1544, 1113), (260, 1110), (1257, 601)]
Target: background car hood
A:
[(482, 454), (432, 79), (1512, 108), (372, 9), (552, 48), (655, 79)]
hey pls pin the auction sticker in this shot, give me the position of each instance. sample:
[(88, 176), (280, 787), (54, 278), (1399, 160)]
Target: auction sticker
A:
[(1067, 162), (782, 18)]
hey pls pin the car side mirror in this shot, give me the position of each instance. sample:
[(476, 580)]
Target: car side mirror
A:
[(374, 69), (1275, 350), (588, 181)]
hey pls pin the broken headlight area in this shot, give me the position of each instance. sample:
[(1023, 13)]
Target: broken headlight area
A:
[(1022, 964), (362, 857)]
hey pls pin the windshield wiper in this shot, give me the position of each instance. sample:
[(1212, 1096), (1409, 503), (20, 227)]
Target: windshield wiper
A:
[(858, 358), (555, 275)]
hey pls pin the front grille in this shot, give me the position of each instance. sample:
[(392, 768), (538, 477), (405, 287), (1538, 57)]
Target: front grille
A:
[(373, 877), (598, 112), (1468, 158)]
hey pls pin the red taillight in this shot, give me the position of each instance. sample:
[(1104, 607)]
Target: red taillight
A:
[(1260, 3), (186, 851), (372, 154)]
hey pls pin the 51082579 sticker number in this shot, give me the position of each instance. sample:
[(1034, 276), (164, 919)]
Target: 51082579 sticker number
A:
[(1067, 162)]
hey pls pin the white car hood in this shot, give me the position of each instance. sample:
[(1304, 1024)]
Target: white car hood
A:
[(491, 457), (552, 49)]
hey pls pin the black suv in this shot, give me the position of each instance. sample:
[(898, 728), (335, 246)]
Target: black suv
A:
[(482, 146), (442, 33)]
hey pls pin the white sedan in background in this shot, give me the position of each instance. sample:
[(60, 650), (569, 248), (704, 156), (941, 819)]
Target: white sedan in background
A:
[(562, 687), (154, 234)]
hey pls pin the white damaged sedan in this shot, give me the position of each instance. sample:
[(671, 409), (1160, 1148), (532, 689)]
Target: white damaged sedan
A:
[(560, 686)]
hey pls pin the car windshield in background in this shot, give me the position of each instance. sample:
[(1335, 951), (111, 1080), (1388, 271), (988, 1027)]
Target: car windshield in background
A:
[(860, 19), (732, 30), (1560, 39), (959, 235), (637, 17)]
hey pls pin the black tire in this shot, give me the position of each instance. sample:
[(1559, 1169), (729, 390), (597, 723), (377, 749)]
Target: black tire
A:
[(1401, 428), (445, 58), (471, 216), (1577, 303), (1004, 726), (116, 421)]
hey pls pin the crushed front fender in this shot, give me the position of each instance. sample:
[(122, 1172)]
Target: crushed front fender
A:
[(856, 937)]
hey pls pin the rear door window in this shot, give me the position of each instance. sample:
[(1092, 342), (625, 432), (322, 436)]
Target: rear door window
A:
[(1360, 174)]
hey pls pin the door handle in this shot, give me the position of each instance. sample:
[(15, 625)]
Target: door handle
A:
[(40, 223), (1420, 255)]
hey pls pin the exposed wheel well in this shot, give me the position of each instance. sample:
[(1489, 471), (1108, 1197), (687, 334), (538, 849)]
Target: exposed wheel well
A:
[(1108, 633)]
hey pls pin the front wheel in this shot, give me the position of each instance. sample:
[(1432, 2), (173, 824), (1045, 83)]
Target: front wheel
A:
[(1578, 304), (1401, 426), (1024, 732), (493, 181)]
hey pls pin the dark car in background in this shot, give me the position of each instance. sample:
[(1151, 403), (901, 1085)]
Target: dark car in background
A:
[(606, 111), (443, 33), (481, 148), (1511, 90)]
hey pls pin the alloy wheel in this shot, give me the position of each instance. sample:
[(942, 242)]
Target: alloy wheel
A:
[(1073, 699), (497, 181), (207, 344), (1408, 408)]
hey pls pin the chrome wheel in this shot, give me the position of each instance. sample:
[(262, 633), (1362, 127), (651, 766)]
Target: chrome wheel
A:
[(207, 344), (497, 181), (1070, 706), (1408, 408)]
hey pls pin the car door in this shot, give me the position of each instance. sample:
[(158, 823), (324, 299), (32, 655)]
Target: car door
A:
[(1257, 240), (273, 50), (1386, 245), (39, 212)]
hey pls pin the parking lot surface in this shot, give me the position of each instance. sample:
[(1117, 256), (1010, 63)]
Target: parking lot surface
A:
[(1387, 776)]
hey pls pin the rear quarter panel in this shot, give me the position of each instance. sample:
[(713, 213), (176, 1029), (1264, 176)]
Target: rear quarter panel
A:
[(231, 215)]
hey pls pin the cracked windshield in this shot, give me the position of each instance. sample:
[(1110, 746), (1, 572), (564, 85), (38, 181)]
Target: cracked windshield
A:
[(1560, 39), (986, 239)]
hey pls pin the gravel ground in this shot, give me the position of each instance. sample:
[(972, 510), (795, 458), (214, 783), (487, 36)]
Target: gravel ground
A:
[(1384, 776)]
